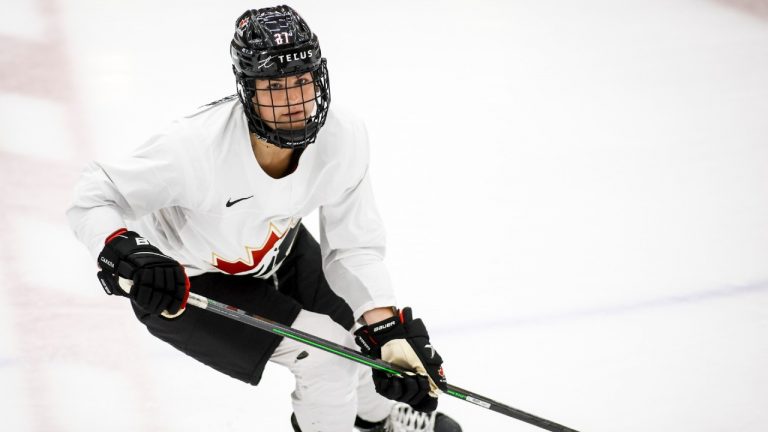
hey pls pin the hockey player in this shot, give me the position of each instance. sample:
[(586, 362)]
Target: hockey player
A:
[(214, 206)]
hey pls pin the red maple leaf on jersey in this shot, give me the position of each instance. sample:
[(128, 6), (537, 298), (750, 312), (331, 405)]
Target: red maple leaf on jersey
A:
[(253, 256)]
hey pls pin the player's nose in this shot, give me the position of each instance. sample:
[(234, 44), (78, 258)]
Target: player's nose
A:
[(295, 96)]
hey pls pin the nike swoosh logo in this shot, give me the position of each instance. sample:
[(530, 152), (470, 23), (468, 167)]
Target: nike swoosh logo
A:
[(230, 203)]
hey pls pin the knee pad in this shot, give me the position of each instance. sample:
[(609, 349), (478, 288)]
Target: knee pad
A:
[(315, 365)]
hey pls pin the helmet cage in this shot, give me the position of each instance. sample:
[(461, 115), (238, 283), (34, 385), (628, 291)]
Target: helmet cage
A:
[(283, 133)]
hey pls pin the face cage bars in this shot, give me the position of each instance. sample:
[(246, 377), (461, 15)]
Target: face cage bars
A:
[(290, 136)]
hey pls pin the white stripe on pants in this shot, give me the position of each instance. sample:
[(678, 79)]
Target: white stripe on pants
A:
[(330, 390)]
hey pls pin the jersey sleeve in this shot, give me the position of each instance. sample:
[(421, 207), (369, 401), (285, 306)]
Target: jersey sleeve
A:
[(353, 242), (107, 194)]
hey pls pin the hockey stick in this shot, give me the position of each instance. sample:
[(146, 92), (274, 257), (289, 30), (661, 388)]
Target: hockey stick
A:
[(342, 351)]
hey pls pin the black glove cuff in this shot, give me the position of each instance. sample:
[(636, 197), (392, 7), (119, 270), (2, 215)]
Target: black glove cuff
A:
[(387, 330), (110, 284), (372, 337), (112, 258), (368, 345)]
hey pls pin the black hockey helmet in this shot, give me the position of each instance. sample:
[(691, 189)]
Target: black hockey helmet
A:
[(276, 42)]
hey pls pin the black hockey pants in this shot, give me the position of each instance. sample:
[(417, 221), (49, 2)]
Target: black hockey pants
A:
[(239, 350)]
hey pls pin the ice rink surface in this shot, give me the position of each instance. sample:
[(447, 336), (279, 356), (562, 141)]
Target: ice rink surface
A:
[(576, 195)]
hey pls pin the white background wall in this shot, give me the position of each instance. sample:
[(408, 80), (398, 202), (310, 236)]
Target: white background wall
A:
[(575, 194)]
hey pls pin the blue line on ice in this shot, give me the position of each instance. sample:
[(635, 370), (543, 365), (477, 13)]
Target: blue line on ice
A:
[(618, 309)]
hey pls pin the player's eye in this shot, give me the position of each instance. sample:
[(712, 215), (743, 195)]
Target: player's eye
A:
[(275, 86)]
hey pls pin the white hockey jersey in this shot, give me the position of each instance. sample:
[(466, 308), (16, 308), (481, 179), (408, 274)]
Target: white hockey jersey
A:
[(199, 195)]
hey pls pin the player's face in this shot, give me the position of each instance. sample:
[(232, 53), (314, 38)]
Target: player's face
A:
[(285, 103)]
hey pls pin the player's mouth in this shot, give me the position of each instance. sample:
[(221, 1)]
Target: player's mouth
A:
[(296, 113)]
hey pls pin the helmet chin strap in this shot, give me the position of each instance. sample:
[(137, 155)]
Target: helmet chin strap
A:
[(283, 138)]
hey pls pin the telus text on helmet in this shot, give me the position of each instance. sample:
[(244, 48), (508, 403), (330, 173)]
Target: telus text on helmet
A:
[(267, 62), (295, 56)]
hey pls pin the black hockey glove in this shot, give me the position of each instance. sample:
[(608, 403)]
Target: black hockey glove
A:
[(132, 267), (404, 341)]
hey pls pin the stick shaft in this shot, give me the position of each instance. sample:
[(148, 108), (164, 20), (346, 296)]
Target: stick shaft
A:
[(342, 351), (289, 332)]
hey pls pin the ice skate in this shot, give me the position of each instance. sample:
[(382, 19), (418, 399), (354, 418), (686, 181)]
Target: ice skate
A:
[(403, 418)]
